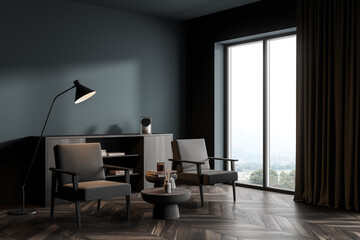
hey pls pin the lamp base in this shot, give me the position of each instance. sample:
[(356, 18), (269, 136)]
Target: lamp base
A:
[(20, 211)]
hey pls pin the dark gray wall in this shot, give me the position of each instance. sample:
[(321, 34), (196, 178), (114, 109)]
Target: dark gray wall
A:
[(202, 34), (133, 61)]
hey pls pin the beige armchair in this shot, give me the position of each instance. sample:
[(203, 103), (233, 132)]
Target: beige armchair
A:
[(79, 176)]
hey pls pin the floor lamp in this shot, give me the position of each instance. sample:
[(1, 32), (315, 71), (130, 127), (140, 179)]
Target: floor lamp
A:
[(82, 93)]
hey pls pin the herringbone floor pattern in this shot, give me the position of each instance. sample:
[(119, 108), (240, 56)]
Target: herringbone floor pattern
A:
[(256, 215)]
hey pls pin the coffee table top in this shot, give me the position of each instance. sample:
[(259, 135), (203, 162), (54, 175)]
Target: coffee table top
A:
[(157, 195)]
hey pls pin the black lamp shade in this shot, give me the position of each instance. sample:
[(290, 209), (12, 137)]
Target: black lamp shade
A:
[(82, 92)]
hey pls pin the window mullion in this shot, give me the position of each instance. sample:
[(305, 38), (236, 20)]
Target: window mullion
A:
[(266, 119), (228, 103)]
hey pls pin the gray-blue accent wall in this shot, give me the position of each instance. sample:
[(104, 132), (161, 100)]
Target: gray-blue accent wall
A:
[(133, 61)]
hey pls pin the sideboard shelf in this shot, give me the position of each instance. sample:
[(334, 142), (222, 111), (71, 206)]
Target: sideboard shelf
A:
[(142, 152), (121, 175), (123, 156)]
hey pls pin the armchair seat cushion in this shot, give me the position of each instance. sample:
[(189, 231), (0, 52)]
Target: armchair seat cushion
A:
[(93, 190), (209, 177)]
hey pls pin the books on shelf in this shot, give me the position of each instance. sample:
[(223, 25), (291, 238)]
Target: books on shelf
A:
[(115, 154), (104, 153), (118, 172)]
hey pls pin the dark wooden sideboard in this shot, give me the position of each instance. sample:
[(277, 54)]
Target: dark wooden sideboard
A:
[(142, 152)]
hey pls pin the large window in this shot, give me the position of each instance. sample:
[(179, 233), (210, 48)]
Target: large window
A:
[(262, 90)]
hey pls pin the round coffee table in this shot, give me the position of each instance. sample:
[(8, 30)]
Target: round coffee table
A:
[(165, 203)]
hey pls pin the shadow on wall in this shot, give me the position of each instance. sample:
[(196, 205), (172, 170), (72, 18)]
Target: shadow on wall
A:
[(113, 130), (91, 130)]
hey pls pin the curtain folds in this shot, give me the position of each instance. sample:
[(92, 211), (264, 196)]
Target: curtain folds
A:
[(328, 103)]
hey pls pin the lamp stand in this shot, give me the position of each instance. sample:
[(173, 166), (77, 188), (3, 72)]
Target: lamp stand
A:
[(28, 211), (23, 211)]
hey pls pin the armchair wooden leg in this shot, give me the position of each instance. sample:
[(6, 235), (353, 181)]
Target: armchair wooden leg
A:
[(234, 190), (98, 204), (77, 206), (52, 206), (53, 186), (128, 207), (201, 194)]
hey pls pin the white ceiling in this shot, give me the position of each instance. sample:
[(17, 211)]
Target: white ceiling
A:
[(173, 9)]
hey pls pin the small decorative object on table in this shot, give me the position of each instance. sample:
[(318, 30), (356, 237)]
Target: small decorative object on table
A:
[(170, 178), (167, 182), (167, 186), (160, 166), (158, 177), (172, 182)]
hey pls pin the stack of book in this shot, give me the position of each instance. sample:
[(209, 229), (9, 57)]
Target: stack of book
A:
[(103, 153), (111, 154), (118, 172), (115, 154)]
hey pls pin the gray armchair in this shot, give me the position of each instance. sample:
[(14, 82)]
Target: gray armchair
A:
[(192, 164), (79, 176)]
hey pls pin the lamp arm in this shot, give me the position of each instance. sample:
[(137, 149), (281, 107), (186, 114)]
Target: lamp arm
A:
[(38, 143)]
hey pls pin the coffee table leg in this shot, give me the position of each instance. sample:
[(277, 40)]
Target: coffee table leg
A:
[(168, 211)]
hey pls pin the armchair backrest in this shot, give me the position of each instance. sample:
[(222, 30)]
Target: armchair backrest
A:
[(81, 157), (192, 150)]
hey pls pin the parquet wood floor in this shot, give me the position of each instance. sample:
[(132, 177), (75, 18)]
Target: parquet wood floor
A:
[(256, 215)]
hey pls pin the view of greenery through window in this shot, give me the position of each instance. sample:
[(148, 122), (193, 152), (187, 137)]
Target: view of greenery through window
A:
[(246, 110)]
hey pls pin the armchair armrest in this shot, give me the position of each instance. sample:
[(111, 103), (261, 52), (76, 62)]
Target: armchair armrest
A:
[(224, 159), (74, 176), (188, 161), (198, 165), (58, 170), (227, 160), (127, 171), (116, 167)]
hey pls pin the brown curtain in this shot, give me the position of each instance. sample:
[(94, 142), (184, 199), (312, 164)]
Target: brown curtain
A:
[(328, 103)]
